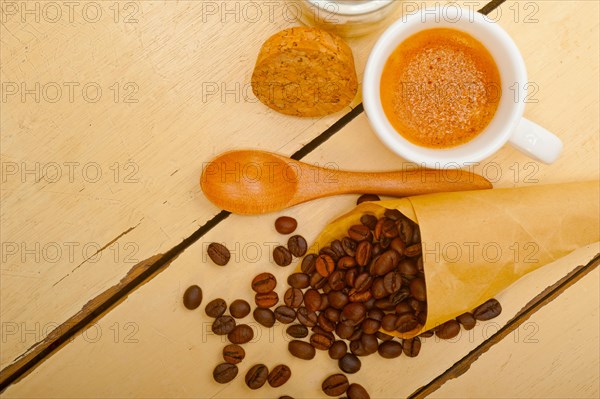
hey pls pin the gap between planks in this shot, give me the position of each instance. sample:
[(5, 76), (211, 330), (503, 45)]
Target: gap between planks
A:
[(146, 270)]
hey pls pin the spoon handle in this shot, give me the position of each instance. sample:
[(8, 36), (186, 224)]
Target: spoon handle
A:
[(399, 183)]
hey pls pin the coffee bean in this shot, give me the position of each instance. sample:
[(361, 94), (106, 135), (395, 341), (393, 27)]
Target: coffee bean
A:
[(356, 391), (388, 322), (349, 246), (282, 256), (279, 375), (337, 299), (306, 317), (239, 308), (386, 262), (293, 298), (301, 349), (363, 282), (330, 252), (299, 280), (408, 267), (285, 314), (448, 330), (344, 331), (312, 300), (285, 224), (389, 230), (308, 264), (413, 250), (354, 312), (350, 276), (225, 372), (411, 347), (467, 320), (369, 343), (398, 296), (285, 397), (218, 253), (426, 334), (392, 282), (263, 283), (406, 228), (367, 197), (360, 232), (335, 385), (356, 334), (332, 314), (369, 220), (349, 363), (257, 376), (370, 326), (406, 322), (338, 349), (215, 308), (192, 297), (487, 310), (320, 341), (223, 325), (317, 281), (264, 316), (364, 251), (297, 245), (297, 331), (417, 289), (346, 262), (241, 334), (398, 245), (233, 353), (390, 349), (378, 288), (403, 307), (266, 300), (324, 265)]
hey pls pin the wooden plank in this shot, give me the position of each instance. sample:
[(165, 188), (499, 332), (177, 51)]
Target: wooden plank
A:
[(93, 183), (570, 369), (360, 138)]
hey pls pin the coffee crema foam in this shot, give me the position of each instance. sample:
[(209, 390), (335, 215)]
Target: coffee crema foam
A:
[(440, 88)]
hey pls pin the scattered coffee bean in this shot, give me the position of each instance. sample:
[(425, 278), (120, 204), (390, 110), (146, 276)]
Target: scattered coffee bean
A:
[(312, 300), (257, 376), (293, 298), (390, 349), (335, 385), (266, 300), (225, 372), (349, 363), (241, 334), (297, 246), (306, 317), (223, 325), (383, 336), (467, 320), (282, 256), (192, 297), (279, 375), (263, 283), (369, 220), (297, 331), (215, 308), (338, 349), (301, 349), (448, 330), (487, 310), (285, 314), (354, 313), (324, 265), (264, 316), (367, 197), (285, 224), (308, 264), (233, 353), (360, 232), (320, 341), (356, 391), (411, 347), (299, 280), (426, 334), (239, 308), (218, 253)]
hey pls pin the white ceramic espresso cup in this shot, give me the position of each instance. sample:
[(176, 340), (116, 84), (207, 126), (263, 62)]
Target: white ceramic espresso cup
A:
[(507, 125)]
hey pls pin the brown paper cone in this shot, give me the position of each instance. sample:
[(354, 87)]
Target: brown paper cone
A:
[(477, 243)]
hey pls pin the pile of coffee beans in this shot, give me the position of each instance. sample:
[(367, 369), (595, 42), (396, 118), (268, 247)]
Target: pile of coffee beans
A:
[(346, 296)]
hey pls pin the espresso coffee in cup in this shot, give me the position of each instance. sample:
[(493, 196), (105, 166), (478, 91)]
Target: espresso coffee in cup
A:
[(440, 88)]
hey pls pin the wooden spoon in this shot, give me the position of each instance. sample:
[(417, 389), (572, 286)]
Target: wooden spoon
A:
[(255, 182)]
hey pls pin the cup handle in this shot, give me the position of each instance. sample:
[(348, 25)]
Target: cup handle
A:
[(535, 141)]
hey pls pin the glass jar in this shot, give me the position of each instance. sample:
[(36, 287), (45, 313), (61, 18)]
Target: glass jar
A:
[(349, 18)]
